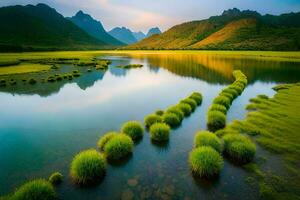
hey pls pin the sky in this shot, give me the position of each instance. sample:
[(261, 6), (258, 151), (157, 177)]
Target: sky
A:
[(140, 15)]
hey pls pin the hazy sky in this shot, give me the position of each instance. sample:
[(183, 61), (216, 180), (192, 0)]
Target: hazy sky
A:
[(143, 14)]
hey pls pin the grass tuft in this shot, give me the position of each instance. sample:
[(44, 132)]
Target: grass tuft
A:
[(118, 147), (191, 102), (171, 119), (105, 138), (160, 132), (215, 120), (152, 119), (56, 178), (133, 129), (185, 108), (206, 138)]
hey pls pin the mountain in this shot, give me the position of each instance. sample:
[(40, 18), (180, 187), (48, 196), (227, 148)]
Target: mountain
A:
[(41, 27), (139, 35), (94, 28), (123, 34), (233, 30), (153, 31)]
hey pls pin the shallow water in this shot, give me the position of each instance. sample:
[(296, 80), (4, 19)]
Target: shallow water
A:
[(42, 128)]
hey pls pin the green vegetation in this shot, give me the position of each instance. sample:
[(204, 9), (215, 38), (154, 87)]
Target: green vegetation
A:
[(23, 68), (185, 108), (152, 119), (239, 148), (177, 111), (191, 102), (133, 129), (131, 66), (216, 116), (205, 162), (197, 97), (118, 147), (56, 178), (171, 119), (206, 138), (104, 139), (160, 132), (215, 120), (159, 112), (88, 167), (35, 190)]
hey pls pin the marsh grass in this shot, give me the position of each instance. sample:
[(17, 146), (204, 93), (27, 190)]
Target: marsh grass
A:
[(88, 167), (215, 120), (218, 107), (159, 112), (118, 147), (185, 108), (39, 189), (177, 111), (104, 139), (152, 119), (55, 178), (160, 132), (171, 119), (133, 129), (206, 138), (223, 100), (197, 97), (191, 102), (205, 162)]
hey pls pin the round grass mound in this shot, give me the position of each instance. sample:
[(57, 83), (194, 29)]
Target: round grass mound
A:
[(120, 146), (216, 120), (222, 100), (88, 167), (228, 95), (160, 132), (185, 108), (206, 138), (205, 162), (105, 138), (177, 111), (35, 190), (239, 148), (191, 102), (171, 119), (197, 97), (238, 89), (159, 112), (233, 92), (218, 107), (56, 178), (133, 129), (152, 119)]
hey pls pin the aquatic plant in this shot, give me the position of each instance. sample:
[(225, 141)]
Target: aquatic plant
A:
[(191, 102), (171, 119), (152, 119), (160, 132), (177, 111), (88, 167), (39, 189), (32, 81), (55, 178), (197, 97), (222, 100), (206, 138), (233, 92), (239, 148), (216, 120), (118, 147), (104, 139), (185, 108), (159, 112), (134, 129), (205, 162), (218, 107)]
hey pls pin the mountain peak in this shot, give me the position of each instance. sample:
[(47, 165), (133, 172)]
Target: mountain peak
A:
[(153, 31)]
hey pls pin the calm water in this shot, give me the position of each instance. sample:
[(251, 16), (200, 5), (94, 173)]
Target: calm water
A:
[(42, 127)]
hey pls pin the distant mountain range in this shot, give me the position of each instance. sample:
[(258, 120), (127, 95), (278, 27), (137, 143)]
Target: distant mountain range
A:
[(233, 30), (126, 36), (94, 28)]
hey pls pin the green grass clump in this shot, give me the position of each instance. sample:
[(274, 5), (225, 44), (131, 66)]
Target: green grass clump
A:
[(171, 119), (55, 178), (197, 97), (51, 79), (222, 100), (239, 148), (237, 88), (228, 95), (216, 120), (152, 119), (88, 167), (104, 139), (185, 108), (133, 129), (177, 111), (206, 138), (35, 190), (205, 162), (159, 112), (32, 81), (160, 132), (233, 92), (191, 102), (118, 147), (218, 107)]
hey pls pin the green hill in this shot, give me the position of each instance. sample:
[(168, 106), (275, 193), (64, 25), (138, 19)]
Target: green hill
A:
[(41, 28), (233, 30)]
